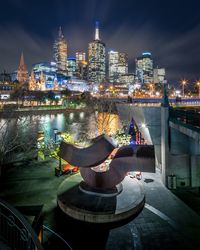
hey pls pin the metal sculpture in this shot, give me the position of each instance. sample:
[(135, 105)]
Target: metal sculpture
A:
[(102, 170)]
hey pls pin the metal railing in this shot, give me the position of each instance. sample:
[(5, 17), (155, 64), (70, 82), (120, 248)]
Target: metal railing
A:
[(186, 116), (65, 243), (15, 231)]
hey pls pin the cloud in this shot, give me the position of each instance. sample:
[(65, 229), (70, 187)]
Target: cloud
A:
[(178, 53), (14, 40)]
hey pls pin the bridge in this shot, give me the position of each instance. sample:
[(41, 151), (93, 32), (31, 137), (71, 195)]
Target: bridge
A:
[(175, 134), (152, 101)]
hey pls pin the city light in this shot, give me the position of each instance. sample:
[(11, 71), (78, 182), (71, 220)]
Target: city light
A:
[(198, 85), (183, 82)]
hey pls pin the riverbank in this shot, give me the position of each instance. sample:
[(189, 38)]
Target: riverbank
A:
[(39, 111)]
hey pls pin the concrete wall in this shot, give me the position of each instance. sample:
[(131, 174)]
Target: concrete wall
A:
[(195, 170), (183, 157), (179, 165), (178, 142)]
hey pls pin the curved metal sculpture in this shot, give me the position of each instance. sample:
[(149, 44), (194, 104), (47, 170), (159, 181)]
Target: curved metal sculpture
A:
[(95, 154), (89, 160)]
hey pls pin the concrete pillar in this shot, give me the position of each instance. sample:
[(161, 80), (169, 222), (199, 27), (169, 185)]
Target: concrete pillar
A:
[(164, 141)]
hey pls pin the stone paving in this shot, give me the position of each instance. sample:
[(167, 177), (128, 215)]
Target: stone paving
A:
[(165, 222)]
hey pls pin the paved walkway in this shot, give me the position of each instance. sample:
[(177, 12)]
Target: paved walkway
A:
[(165, 222)]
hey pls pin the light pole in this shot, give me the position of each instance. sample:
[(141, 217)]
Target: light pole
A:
[(55, 130), (198, 84), (183, 82)]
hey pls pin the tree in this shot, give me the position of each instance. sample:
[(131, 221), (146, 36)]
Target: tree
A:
[(17, 139), (51, 96)]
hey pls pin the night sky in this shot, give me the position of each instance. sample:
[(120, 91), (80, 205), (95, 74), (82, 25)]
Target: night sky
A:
[(168, 29)]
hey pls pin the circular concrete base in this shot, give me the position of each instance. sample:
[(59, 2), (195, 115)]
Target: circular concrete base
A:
[(100, 209)]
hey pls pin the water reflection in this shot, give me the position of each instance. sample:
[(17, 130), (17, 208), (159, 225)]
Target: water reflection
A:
[(81, 125)]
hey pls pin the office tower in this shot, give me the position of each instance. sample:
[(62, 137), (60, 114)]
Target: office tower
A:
[(144, 68), (22, 73), (96, 59), (81, 65), (80, 56), (71, 66), (158, 75), (117, 65), (127, 78), (60, 53)]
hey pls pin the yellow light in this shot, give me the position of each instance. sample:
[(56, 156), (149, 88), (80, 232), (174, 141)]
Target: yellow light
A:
[(183, 82)]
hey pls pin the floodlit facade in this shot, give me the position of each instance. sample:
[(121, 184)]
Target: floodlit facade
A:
[(144, 68), (117, 65), (80, 56), (71, 66), (96, 59), (159, 75), (53, 79), (127, 78), (60, 53), (75, 84), (81, 65)]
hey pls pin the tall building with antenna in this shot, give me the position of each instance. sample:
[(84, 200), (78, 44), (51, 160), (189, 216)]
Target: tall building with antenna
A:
[(60, 53), (96, 59)]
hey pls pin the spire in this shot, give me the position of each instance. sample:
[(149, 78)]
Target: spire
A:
[(22, 74), (21, 63), (32, 76), (97, 31), (60, 34)]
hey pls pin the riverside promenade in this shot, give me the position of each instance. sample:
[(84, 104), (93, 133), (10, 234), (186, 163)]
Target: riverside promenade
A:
[(165, 222)]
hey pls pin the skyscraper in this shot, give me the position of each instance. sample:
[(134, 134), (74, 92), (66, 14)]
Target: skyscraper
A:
[(117, 65), (60, 53), (96, 59), (144, 68), (71, 66), (81, 65), (22, 73), (159, 75), (80, 56)]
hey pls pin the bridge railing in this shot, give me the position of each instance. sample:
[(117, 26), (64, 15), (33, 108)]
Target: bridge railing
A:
[(191, 117), (15, 231)]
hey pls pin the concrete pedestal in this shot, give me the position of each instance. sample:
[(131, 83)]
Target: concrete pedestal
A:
[(98, 208)]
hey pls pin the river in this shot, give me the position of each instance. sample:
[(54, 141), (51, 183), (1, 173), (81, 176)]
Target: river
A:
[(80, 125)]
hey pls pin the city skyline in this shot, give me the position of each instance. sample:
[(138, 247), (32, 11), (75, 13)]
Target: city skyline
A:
[(168, 30)]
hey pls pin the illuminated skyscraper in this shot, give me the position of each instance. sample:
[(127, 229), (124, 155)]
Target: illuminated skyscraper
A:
[(96, 59), (71, 66), (144, 68), (118, 65), (159, 75), (80, 56), (60, 53), (81, 65), (22, 73)]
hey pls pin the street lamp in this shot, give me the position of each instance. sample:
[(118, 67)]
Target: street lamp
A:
[(55, 130), (198, 84), (183, 82)]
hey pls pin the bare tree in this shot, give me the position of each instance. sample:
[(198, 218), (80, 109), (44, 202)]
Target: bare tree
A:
[(17, 139)]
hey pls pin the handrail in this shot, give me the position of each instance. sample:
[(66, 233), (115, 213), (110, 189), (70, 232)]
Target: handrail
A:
[(191, 117), (12, 233), (57, 235)]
